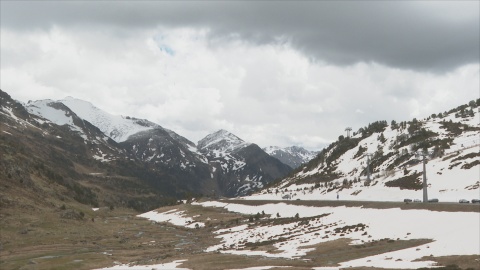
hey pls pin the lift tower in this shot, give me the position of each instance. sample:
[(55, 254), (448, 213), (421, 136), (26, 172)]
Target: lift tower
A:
[(424, 155)]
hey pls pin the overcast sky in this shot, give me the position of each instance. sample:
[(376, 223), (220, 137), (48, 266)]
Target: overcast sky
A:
[(273, 73)]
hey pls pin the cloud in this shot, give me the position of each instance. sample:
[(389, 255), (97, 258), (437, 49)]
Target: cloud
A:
[(436, 36), (297, 74)]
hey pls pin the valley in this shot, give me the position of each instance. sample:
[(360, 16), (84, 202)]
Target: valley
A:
[(238, 234), (83, 189)]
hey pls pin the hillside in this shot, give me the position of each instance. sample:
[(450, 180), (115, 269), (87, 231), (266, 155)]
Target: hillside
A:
[(47, 164), (452, 140), (62, 206), (130, 147)]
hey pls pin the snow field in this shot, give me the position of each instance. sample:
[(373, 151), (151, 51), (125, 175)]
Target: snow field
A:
[(452, 233), (163, 266), (173, 216)]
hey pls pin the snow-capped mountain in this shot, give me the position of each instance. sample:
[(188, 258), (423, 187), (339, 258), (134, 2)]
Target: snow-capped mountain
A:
[(101, 146), (393, 155), (117, 127), (70, 159), (293, 156), (221, 143), (242, 166), (219, 165)]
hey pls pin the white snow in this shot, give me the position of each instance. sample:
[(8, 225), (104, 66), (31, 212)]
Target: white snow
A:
[(119, 128), (260, 268), (294, 151), (162, 266), (222, 143), (42, 108), (380, 224), (174, 217), (449, 178)]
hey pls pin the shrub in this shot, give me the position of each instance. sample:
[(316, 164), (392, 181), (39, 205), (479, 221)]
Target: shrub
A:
[(407, 182)]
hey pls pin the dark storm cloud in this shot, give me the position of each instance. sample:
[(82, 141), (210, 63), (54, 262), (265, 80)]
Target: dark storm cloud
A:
[(419, 35)]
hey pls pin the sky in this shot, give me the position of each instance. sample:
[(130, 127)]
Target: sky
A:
[(272, 72)]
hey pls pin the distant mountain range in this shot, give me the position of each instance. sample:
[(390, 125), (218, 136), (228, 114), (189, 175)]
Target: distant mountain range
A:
[(137, 151), (70, 149), (293, 156)]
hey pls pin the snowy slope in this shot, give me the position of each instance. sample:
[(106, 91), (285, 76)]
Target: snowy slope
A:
[(121, 128), (222, 163), (293, 156), (293, 238), (117, 127), (220, 147), (101, 147), (453, 168), (240, 166), (221, 143)]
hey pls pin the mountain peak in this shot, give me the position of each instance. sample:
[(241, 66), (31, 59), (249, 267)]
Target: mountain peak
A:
[(119, 128), (222, 142), (293, 156)]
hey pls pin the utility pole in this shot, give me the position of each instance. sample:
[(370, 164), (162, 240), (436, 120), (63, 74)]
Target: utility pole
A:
[(424, 155), (368, 168)]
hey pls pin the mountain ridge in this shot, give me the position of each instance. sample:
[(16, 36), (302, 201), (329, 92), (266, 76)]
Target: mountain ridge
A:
[(216, 167), (393, 151), (293, 156)]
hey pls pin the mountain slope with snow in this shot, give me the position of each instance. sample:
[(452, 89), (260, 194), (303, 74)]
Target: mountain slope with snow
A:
[(68, 159), (117, 127), (241, 167), (293, 156), (221, 143), (101, 146), (222, 164), (452, 140)]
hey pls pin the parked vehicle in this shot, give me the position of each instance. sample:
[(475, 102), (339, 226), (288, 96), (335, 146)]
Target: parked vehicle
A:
[(475, 201), (433, 200), (407, 200), (417, 200), (463, 201)]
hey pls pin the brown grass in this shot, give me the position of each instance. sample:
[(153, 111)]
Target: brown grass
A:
[(35, 237)]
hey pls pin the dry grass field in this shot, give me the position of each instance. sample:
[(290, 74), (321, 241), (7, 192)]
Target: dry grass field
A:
[(76, 237)]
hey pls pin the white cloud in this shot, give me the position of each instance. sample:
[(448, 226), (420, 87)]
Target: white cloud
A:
[(269, 94)]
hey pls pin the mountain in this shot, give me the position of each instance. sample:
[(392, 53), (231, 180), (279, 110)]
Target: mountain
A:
[(242, 167), (117, 127), (293, 156), (217, 166), (393, 155), (220, 143), (46, 163), (100, 146), (160, 150)]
